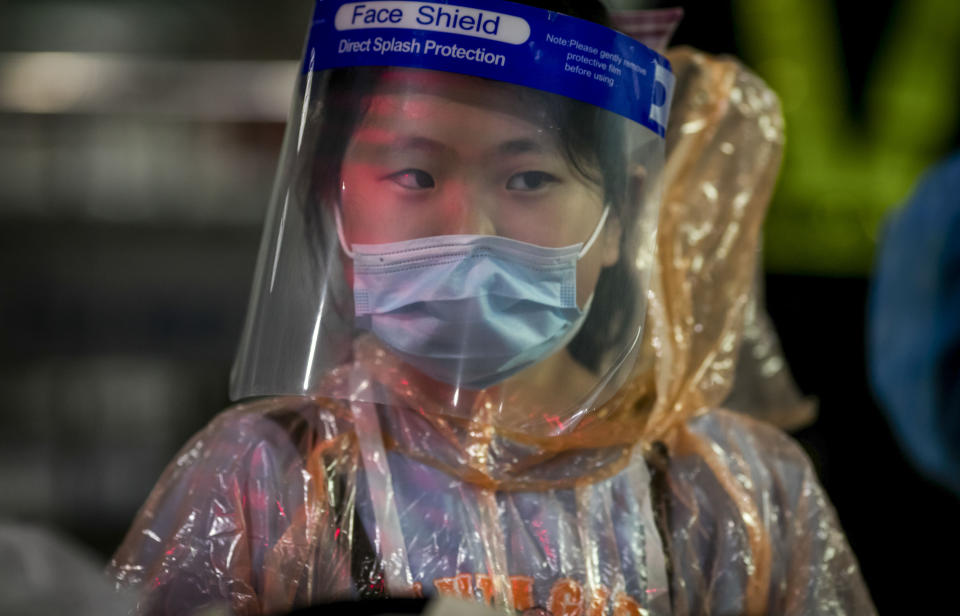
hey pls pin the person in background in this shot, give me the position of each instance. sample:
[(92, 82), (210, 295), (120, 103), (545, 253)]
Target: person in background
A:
[(914, 325)]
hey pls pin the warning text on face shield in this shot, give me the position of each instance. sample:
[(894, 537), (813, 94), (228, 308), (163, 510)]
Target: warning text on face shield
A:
[(429, 16), (592, 63), (427, 47)]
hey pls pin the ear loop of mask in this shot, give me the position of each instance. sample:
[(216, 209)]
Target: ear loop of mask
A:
[(340, 236), (583, 251), (596, 233)]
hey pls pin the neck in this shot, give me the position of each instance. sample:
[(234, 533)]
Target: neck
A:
[(550, 386)]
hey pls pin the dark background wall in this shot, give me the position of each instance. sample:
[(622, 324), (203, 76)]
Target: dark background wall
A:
[(131, 196)]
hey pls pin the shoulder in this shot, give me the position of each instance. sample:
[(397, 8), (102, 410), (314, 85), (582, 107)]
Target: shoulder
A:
[(284, 426), (234, 479), (749, 443), (734, 463), (751, 524)]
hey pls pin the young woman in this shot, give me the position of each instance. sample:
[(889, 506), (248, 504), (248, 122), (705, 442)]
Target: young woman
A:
[(453, 287)]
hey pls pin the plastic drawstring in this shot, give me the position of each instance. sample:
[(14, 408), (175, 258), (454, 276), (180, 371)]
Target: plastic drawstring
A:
[(388, 537), (658, 588)]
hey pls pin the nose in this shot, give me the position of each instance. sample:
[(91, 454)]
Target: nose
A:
[(471, 211), (479, 222)]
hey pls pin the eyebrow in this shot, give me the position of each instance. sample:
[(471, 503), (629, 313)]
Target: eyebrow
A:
[(519, 146), (414, 142), (513, 147)]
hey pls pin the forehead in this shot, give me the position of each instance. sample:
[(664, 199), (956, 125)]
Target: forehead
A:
[(421, 97)]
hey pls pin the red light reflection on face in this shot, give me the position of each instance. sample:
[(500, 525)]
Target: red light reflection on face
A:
[(443, 154)]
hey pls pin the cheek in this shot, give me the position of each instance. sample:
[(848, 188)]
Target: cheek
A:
[(365, 206), (348, 271)]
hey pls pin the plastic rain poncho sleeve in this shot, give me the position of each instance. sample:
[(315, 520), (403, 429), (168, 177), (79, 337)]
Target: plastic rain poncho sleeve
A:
[(665, 503)]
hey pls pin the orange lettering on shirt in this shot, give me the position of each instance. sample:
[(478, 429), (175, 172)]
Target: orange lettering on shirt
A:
[(522, 592), (598, 602), (418, 590), (627, 606), (566, 598), (485, 586), (458, 586)]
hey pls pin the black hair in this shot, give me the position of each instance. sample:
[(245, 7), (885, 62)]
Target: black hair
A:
[(592, 141)]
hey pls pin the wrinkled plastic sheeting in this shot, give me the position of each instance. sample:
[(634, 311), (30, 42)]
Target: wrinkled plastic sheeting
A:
[(724, 149), (763, 385), (269, 509), (272, 507)]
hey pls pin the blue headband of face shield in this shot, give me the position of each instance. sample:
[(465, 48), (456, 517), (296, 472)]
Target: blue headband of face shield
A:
[(468, 310)]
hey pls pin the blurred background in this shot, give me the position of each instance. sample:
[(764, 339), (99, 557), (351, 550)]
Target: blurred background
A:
[(138, 143)]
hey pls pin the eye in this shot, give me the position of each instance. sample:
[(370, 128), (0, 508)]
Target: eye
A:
[(414, 179), (530, 180)]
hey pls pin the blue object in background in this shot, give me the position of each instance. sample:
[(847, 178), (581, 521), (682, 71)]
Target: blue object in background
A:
[(914, 325)]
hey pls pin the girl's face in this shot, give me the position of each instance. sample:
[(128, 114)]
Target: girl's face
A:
[(446, 154)]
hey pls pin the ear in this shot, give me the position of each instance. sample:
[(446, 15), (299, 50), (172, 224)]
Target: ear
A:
[(614, 228), (635, 182), (610, 238)]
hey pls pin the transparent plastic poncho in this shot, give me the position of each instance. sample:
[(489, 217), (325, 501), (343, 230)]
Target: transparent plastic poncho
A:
[(648, 498)]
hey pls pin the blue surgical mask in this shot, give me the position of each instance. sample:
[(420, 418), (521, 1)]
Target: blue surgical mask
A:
[(468, 310)]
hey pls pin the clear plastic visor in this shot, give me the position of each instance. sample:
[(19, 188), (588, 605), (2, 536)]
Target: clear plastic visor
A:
[(454, 244)]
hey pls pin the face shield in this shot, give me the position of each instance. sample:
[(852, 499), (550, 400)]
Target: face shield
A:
[(464, 216)]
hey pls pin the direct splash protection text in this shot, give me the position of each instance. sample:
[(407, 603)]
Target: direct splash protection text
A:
[(426, 47)]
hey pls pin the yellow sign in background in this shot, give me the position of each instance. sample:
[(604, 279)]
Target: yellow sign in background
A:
[(840, 178)]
